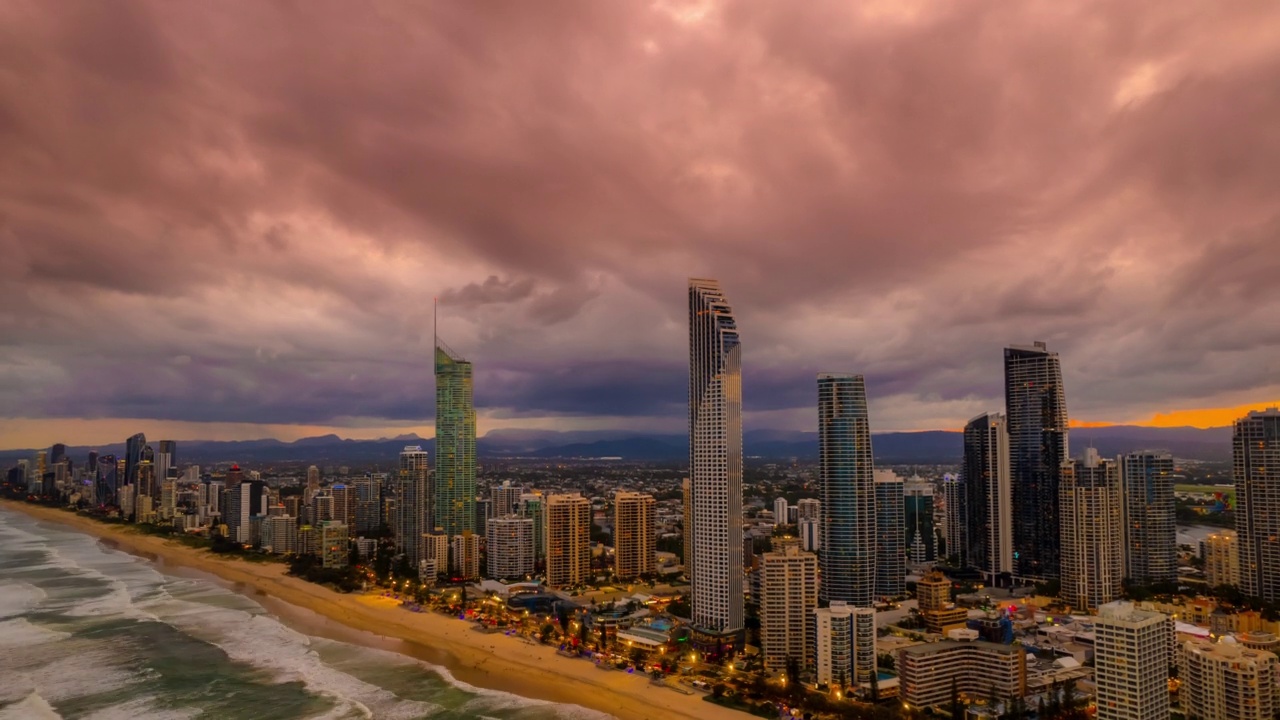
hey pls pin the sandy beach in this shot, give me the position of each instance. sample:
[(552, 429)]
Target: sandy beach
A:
[(491, 661)]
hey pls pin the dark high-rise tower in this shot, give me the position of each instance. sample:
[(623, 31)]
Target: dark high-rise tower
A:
[(1036, 413), (132, 456), (1150, 537), (846, 481), (1256, 466), (987, 537)]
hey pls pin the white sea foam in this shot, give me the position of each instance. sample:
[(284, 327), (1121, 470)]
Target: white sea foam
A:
[(143, 707), (20, 632), (32, 707), (262, 642), (18, 597)]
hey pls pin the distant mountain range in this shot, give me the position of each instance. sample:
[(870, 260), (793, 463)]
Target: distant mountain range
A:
[(929, 447)]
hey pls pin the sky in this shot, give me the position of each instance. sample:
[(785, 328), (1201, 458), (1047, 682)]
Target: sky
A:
[(230, 220)]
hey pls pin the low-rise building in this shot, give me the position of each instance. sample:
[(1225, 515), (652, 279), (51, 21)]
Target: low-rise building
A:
[(978, 669)]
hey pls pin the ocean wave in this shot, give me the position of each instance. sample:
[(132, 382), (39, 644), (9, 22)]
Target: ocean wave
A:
[(31, 707), (143, 707), (264, 643), (18, 597), (20, 632)]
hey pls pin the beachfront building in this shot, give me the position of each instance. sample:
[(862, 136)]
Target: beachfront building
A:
[(436, 563), (1229, 681), (847, 521), (929, 672), (789, 584), (634, 535), (280, 534), (1131, 662), (568, 540), (334, 550), (715, 466), (1091, 522), (1222, 559), (844, 644), (412, 503), (509, 546), (1036, 418), (1150, 542), (464, 556), (454, 503), (1256, 467), (533, 506)]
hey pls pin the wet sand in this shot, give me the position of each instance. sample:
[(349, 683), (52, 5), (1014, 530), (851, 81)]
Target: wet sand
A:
[(491, 661)]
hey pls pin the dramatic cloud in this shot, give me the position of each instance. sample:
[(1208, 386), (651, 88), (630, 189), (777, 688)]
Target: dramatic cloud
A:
[(241, 212)]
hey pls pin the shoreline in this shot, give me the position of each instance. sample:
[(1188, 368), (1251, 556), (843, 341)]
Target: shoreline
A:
[(483, 660)]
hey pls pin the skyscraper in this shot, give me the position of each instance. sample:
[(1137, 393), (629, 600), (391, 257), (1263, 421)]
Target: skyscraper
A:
[(1092, 533), (132, 456), (715, 461), (890, 525), (108, 483), (533, 506), (920, 540), (988, 535), (846, 482), (790, 595), (634, 535), (568, 540), (455, 476), (1222, 558), (166, 459), (780, 511), (809, 524), (1256, 466), (412, 503), (1036, 412), (1131, 663), (1150, 542), (506, 498), (953, 515)]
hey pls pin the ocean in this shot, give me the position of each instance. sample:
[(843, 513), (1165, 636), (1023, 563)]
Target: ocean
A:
[(94, 633)]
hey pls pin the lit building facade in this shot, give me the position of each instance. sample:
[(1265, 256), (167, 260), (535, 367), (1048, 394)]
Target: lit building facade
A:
[(509, 545), (1222, 558), (890, 529), (1256, 466), (1131, 662), (1150, 535), (844, 642), (1092, 545), (568, 540), (789, 585), (412, 493), (634, 535), (454, 505)]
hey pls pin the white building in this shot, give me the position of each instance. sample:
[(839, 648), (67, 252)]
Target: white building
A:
[(844, 642), (1132, 658), (715, 472), (1091, 523), (510, 547), (780, 510), (1228, 681)]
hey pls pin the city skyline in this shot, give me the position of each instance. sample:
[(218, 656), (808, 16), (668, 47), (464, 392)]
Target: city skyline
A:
[(266, 266)]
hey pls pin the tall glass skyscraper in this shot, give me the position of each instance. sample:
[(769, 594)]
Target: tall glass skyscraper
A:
[(1150, 538), (846, 482), (988, 541), (715, 460), (133, 448), (891, 531), (1256, 466), (1036, 413), (455, 476)]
